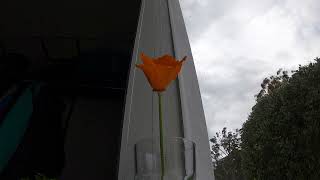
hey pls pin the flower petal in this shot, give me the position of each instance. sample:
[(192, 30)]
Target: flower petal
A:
[(166, 60), (151, 75), (146, 59), (161, 71)]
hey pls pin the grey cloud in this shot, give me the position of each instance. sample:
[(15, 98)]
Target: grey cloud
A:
[(227, 101), (199, 14), (223, 29)]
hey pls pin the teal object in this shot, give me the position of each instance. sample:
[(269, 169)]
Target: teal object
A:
[(14, 126)]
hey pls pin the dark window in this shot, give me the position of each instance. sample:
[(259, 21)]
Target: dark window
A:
[(74, 56)]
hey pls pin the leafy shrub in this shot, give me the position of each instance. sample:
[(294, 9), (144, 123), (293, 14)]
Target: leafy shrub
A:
[(281, 138)]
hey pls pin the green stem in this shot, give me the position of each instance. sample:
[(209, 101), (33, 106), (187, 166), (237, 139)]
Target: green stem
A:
[(161, 136)]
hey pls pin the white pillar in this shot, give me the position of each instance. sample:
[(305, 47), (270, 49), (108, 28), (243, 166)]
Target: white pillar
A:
[(161, 30)]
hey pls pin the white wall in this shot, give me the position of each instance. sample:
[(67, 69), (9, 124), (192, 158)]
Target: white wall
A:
[(161, 31)]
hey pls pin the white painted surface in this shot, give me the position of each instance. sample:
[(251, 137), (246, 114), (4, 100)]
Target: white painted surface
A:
[(155, 38), (194, 122)]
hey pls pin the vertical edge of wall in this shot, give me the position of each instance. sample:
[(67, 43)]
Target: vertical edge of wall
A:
[(123, 168), (194, 122)]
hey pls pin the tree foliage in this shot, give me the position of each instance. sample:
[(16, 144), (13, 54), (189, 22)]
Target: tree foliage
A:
[(226, 155), (281, 138)]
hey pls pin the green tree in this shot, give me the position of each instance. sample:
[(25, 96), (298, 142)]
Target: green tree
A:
[(225, 152), (281, 138)]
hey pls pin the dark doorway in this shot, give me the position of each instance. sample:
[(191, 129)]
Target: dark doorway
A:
[(74, 56)]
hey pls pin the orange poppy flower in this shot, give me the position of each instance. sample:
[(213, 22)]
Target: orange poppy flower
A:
[(160, 71)]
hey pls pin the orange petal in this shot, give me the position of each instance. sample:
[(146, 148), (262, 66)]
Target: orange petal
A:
[(161, 71), (145, 59), (151, 75), (164, 76), (174, 72), (166, 60)]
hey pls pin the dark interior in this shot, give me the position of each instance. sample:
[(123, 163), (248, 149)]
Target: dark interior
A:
[(75, 58)]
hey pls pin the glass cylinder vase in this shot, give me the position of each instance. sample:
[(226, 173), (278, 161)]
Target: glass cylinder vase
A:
[(178, 159)]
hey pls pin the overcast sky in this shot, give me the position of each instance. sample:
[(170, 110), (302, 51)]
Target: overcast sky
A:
[(237, 43)]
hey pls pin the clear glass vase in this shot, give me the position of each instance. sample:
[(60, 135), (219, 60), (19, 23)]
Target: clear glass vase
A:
[(179, 160)]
